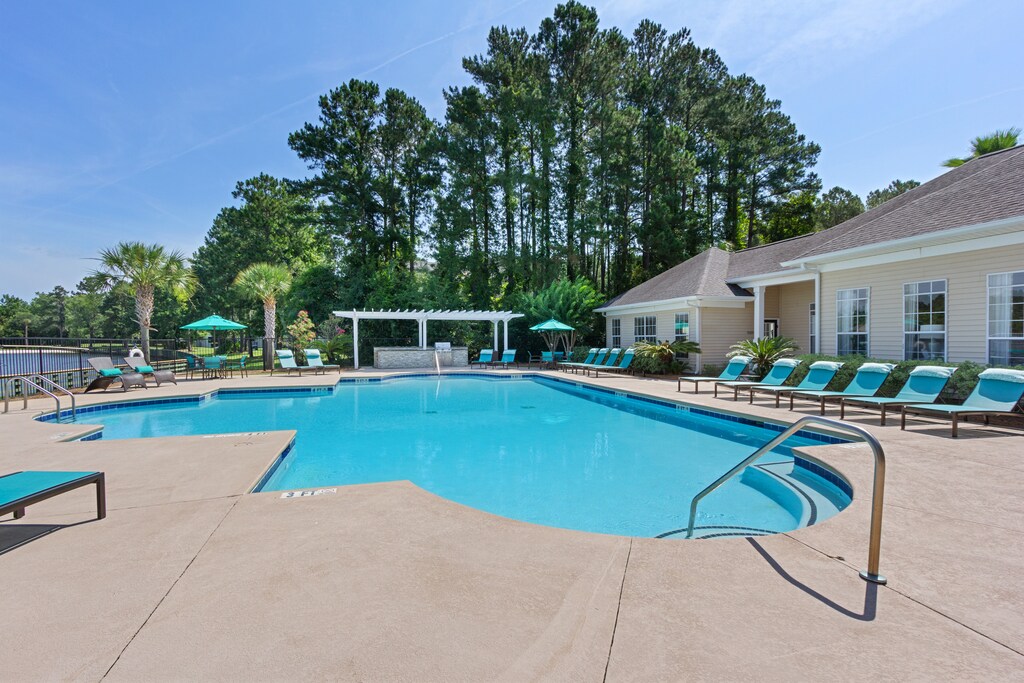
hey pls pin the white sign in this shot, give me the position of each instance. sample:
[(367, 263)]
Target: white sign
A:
[(303, 494)]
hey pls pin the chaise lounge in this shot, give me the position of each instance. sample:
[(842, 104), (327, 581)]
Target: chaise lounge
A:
[(736, 367), (997, 393), (289, 365), (776, 377), (139, 365), (314, 360), (866, 382), (108, 374), (18, 490), (624, 362), (924, 385), (818, 376)]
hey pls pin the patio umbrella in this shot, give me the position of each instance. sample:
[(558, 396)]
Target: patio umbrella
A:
[(214, 323), (552, 330)]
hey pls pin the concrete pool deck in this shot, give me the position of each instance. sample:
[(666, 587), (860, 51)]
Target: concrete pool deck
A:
[(190, 577)]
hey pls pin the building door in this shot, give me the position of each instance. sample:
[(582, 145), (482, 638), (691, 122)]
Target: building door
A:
[(771, 327)]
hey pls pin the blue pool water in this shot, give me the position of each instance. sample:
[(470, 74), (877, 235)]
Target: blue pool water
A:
[(530, 449)]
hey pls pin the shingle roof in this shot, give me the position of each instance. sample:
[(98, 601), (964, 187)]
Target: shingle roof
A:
[(983, 190)]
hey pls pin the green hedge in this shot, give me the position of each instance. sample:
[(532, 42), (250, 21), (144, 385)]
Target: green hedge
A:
[(960, 385)]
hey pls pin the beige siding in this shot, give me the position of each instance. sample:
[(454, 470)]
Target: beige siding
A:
[(794, 311), (721, 328), (966, 276), (771, 303), (666, 325)]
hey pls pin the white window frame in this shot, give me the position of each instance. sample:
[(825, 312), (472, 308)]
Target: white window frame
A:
[(945, 318), (812, 339), (675, 330), (867, 320), (988, 315), (615, 337), (653, 336)]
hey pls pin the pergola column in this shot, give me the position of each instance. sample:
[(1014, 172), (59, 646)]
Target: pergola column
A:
[(495, 347), (505, 335), (355, 341), (758, 312)]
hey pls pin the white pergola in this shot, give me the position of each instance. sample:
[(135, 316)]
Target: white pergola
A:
[(494, 317)]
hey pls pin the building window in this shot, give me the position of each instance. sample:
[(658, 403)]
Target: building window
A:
[(852, 322), (924, 320), (645, 328), (682, 329), (616, 335), (811, 320), (1006, 318)]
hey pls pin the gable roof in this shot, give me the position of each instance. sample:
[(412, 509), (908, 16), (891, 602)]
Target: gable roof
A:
[(983, 190)]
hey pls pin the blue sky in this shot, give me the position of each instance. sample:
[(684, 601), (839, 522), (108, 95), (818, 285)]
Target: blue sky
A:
[(135, 120)]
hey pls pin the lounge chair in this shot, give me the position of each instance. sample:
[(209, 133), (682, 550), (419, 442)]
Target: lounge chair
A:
[(547, 358), (776, 377), (508, 357), (288, 364), (18, 490), (314, 360), (623, 366), (818, 376), (866, 382), (609, 361), (598, 359), (737, 365), (924, 385), (483, 359), (139, 365), (565, 367), (997, 393), (108, 374)]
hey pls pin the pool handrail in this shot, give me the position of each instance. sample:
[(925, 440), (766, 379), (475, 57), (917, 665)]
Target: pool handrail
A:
[(875, 541), (29, 381)]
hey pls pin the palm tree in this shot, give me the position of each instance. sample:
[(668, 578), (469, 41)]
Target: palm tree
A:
[(266, 282), (143, 268), (764, 352), (986, 144)]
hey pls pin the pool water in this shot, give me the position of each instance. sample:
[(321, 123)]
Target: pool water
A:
[(531, 449)]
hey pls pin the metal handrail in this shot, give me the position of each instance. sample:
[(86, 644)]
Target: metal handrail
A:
[(874, 548), (29, 382), (63, 390)]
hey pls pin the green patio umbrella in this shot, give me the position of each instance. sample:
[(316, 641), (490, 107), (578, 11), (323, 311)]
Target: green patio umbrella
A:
[(553, 330), (214, 323)]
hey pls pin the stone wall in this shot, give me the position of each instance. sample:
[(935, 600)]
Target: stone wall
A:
[(394, 358)]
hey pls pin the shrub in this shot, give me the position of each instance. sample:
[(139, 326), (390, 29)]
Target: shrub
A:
[(764, 352)]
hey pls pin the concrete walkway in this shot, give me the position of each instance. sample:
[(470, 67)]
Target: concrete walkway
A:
[(190, 577)]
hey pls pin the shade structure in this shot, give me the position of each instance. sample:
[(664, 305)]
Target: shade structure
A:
[(214, 322), (552, 325), (554, 331)]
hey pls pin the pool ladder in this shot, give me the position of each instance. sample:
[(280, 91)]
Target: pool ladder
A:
[(874, 547), (30, 380)]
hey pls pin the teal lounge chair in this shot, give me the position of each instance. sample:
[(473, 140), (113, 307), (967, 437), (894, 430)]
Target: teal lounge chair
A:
[(314, 360), (997, 393), (546, 358), (508, 357), (599, 358), (288, 364), (776, 377), (924, 385), (624, 362), (18, 490), (565, 367), (818, 377), (866, 382), (483, 359), (737, 365), (608, 362)]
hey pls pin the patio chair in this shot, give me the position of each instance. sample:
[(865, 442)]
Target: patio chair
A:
[(589, 362), (288, 363), (866, 382), (314, 360), (483, 359), (566, 367), (818, 376), (18, 490), (213, 366), (623, 366), (192, 366), (508, 357), (997, 393), (139, 365), (924, 385), (737, 365), (776, 377), (108, 374)]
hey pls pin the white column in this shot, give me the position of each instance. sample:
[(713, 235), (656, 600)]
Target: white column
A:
[(505, 335), (696, 338), (817, 312), (758, 312), (495, 347), (355, 342), (423, 333)]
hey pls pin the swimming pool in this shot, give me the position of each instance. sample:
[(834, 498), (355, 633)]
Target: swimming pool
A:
[(529, 448)]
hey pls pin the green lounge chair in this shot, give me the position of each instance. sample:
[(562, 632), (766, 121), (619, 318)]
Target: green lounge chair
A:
[(140, 366), (508, 357), (18, 490), (866, 382), (314, 360), (997, 393), (288, 363), (776, 377), (624, 362), (924, 385), (565, 367), (732, 371), (483, 359), (818, 377), (108, 374)]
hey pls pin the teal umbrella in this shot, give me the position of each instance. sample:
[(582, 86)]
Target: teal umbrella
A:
[(214, 323), (553, 330)]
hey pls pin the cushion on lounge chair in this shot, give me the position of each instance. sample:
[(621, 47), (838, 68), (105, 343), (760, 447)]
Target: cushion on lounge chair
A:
[(932, 371), (787, 362), (144, 369), (111, 372), (876, 367), (826, 365), (1003, 375)]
